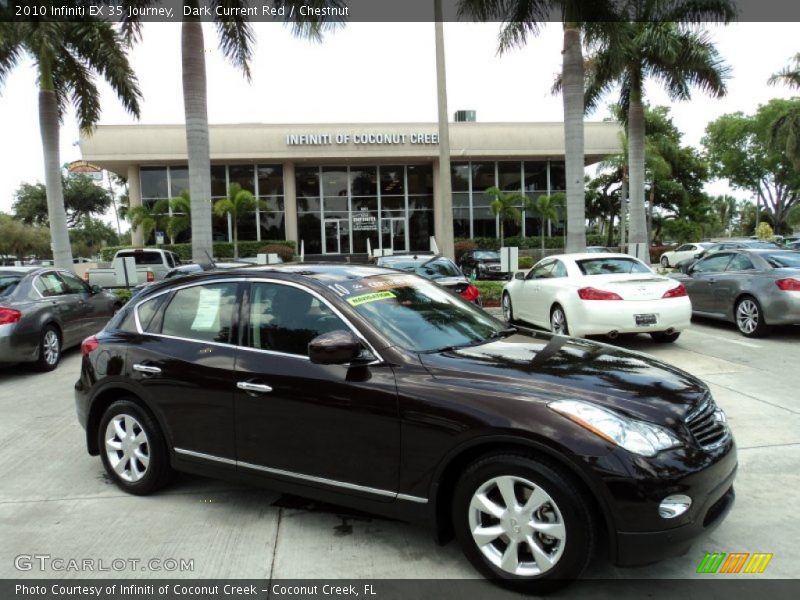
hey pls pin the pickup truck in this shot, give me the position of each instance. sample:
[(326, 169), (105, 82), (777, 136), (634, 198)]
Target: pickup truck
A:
[(152, 264)]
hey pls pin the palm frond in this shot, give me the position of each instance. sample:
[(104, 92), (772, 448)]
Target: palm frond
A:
[(789, 75), (236, 37), (312, 27), (75, 86), (11, 48)]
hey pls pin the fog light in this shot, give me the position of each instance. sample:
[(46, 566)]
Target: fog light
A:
[(674, 506)]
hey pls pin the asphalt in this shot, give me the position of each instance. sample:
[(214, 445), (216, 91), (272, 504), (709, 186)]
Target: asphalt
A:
[(56, 500)]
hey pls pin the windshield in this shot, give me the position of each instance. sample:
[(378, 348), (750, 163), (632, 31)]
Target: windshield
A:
[(783, 260), (762, 245), (8, 283), (418, 315), (608, 266), (436, 268), (485, 255)]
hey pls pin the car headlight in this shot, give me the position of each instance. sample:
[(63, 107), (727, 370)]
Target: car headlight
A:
[(635, 436)]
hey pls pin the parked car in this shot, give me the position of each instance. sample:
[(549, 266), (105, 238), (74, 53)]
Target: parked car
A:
[(597, 294), (793, 246), (730, 245), (598, 249), (682, 252), (379, 390), (755, 289), (481, 264), (436, 268), (152, 264), (45, 310)]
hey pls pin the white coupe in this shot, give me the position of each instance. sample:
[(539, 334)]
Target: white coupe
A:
[(598, 294), (682, 252)]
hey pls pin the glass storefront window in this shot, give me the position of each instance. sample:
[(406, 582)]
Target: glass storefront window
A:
[(420, 228), (334, 204), (420, 203), (364, 181), (153, 182), (334, 182), (482, 176), (420, 179), (558, 177), (219, 187), (460, 177), (178, 180), (484, 223), (270, 180), (535, 177), (392, 180), (509, 176), (307, 182), (308, 230), (393, 203), (244, 175)]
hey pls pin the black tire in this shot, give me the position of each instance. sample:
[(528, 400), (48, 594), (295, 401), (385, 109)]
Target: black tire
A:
[(50, 346), (510, 316), (662, 337), (749, 305), (157, 472), (557, 307), (572, 511), (665, 262)]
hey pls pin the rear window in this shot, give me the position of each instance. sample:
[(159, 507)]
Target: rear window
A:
[(143, 258), (8, 283), (610, 266), (783, 260)]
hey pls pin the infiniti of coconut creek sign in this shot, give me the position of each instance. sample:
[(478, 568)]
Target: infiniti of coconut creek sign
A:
[(390, 139)]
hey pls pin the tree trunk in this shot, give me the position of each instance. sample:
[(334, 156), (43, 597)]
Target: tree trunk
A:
[(194, 103), (623, 213), (636, 133), (572, 76), (49, 129), (235, 236), (444, 224)]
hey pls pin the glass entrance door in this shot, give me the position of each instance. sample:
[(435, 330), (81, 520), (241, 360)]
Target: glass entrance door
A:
[(395, 240), (332, 242)]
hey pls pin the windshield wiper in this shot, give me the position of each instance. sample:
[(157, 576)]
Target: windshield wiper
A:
[(503, 333)]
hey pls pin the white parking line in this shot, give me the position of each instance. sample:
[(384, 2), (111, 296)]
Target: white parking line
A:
[(728, 340)]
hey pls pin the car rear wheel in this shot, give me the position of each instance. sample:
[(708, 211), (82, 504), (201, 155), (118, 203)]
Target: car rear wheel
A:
[(523, 522), (558, 321), (665, 262), (750, 318), (133, 448), (662, 337), (508, 309), (49, 349)]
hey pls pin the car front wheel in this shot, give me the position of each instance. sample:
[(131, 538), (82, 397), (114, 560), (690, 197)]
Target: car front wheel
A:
[(133, 448), (523, 522), (665, 262), (508, 309)]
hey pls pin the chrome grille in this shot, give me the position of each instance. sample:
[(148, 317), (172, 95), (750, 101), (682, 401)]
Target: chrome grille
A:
[(708, 425)]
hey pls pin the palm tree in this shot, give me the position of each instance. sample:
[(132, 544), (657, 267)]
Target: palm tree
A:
[(149, 216), (444, 223), (236, 42), (546, 209), (785, 130), (506, 206), (238, 203), (522, 18), (67, 56), (181, 218), (651, 43)]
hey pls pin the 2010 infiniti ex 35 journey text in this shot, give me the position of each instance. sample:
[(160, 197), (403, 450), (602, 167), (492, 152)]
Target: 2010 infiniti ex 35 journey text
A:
[(380, 390)]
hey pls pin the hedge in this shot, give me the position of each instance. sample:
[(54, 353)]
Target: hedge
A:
[(490, 291), (221, 249), (533, 243)]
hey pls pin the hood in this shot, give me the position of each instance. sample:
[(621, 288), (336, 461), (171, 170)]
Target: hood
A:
[(550, 367)]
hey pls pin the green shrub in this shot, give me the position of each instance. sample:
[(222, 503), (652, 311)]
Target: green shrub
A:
[(490, 291), (462, 246), (123, 294), (285, 252), (525, 262), (555, 242)]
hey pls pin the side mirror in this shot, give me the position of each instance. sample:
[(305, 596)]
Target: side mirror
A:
[(519, 275), (336, 348), (698, 255), (96, 289)]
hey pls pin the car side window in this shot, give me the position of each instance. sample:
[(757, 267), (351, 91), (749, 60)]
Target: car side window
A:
[(713, 264), (559, 269), (740, 263), (685, 248), (73, 283), (541, 271), (285, 319), (49, 284), (202, 312)]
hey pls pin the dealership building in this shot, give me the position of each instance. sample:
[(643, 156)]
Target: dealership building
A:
[(341, 188)]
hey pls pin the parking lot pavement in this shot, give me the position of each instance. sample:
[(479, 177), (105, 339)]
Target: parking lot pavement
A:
[(56, 500)]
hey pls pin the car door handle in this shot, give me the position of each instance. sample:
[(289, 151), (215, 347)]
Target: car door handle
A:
[(146, 369), (253, 387)]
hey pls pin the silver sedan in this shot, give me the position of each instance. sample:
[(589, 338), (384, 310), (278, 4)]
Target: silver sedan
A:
[(44, 310), (755, 289)]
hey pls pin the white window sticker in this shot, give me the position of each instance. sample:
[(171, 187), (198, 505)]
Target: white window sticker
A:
[(208, 307)]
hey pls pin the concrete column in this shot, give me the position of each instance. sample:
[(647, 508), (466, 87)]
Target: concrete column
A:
[(290, 203), (135, 199)]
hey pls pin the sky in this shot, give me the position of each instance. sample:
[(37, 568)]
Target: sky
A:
[(375, 72)]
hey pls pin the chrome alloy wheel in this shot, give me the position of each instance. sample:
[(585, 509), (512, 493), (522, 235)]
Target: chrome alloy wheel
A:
[(127, 448), (507, 314), (747, 316), (50, 347), (558, 322), (517, 526)]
